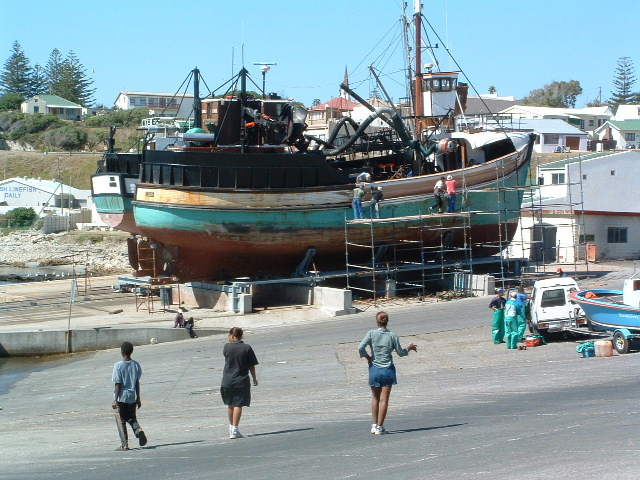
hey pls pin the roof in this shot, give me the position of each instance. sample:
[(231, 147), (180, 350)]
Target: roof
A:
[(484, 105), (49, 186), (154, 94), (337, 103), (547, 126), (553, 111), (560, 164), (627, 112), (625, 124), (56, 101)]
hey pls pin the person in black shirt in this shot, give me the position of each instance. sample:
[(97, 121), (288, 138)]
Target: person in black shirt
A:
[(239, 362)]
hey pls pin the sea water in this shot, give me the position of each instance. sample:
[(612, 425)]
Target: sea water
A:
[(11, 274)]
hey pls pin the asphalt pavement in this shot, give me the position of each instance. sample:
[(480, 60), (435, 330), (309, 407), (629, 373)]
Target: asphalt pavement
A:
[(463, 407)]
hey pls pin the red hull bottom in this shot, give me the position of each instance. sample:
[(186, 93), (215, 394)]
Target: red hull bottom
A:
[(203, 257)]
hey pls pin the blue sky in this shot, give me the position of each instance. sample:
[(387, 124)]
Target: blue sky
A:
[(515, 45)]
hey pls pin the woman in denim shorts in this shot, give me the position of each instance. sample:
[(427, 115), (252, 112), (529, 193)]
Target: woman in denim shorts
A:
[(382, 371)]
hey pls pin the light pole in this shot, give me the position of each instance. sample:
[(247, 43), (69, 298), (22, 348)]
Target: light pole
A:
[(264, 68)]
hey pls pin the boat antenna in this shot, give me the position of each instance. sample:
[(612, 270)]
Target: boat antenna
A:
[(264, 68)]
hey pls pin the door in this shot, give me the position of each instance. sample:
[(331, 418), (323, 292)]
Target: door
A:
[(573, 143), (543, 243)]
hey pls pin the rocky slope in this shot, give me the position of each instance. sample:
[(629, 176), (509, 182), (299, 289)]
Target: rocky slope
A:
[(104, 253)]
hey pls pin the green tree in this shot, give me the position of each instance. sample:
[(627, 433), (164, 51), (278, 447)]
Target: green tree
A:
[(555, 94), (492, 89), (10, 101), (39, 84), (22, 214), (623, 82), (16, 76), (53, 70), (74, 85)]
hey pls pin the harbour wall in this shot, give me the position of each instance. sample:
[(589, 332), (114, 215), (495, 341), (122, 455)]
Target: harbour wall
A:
[(49, 342)]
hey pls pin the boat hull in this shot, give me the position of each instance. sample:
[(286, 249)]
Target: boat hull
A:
[(209, 234), (606, 316)]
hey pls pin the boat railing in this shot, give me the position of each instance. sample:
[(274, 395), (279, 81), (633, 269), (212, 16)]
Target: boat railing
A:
[(236, 177)]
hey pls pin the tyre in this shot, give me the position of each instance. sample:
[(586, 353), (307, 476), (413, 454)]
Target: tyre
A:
[(620, 343)]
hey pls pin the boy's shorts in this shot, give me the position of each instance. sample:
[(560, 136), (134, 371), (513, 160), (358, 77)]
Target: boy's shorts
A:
[(236, 396)]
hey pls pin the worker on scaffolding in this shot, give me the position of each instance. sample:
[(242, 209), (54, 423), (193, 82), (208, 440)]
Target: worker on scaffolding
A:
[(358, 193), (374, 204), (439, 193)]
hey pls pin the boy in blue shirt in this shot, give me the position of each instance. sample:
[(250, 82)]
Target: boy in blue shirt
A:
[(126, 377)]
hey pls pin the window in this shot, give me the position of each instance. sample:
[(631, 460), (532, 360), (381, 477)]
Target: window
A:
[(36, 109), (591, 123), (617, 235), (613, 173), (553, 298), (584, 177), (630, 137), (557, 178), (143, 101), (551, 139), (586, 238)]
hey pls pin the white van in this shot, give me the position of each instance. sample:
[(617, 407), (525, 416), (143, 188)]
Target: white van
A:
[(550, 309)]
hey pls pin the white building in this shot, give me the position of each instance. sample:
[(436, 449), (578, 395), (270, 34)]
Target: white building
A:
[(44, 196), (587, 119), (625, 133), (52, 105), (586, 206), (553, 134), (627, 112), (162, 104)]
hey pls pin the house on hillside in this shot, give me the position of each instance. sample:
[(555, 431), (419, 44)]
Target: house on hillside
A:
[(159, 104), (553, 134), (321, 118), (620, 134), (582, 209), (586, 119), (52, 105)]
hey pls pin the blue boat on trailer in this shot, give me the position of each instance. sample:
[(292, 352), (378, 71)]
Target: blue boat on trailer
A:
[(614, 311)]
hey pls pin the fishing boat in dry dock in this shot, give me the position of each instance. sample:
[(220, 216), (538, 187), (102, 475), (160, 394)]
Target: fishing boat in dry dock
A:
[(112, 187), (247, 194)]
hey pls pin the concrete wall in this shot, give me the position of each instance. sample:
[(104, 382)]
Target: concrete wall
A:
[(46, 342)]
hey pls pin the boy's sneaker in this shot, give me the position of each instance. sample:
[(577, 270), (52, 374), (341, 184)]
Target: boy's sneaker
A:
[(235, 433), (380, 430), (374, 428), (142, 438)]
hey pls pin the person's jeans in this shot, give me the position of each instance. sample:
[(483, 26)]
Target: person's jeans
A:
[(357, 208), (452, 202)]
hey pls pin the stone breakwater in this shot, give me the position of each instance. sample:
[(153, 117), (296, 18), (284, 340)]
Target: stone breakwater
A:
[(103, 254)]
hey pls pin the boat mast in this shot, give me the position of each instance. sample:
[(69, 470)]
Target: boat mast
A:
[(197, 102), (243, 105), (418, 100)]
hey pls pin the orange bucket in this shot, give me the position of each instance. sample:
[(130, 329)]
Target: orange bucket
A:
[(533, 341)]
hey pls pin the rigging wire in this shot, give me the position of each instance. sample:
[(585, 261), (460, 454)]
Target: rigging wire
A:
[(501, 127)]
